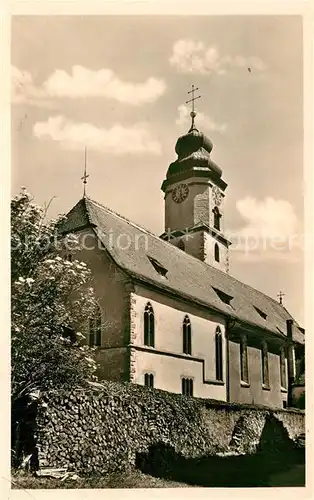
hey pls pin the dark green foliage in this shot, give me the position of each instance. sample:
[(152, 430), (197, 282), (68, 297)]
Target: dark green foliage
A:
[(51, 298)]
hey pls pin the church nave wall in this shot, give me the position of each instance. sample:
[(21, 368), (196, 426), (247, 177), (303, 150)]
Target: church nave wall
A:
[(166, 359), (168, 372), (254, 392)]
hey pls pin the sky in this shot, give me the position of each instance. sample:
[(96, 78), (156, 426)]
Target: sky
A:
[(118, 85)]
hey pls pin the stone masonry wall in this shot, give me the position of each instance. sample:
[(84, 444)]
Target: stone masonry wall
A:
[(105, 428)]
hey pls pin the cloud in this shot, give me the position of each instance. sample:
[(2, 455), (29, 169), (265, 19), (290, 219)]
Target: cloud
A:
[(82, 83), (259, 255), (271, 231), (203, 120), (24, 91), (117, 140), (269, 217), (190, 56)]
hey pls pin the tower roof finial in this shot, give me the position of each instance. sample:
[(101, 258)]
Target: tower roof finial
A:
[(192, 114), (85, 176)]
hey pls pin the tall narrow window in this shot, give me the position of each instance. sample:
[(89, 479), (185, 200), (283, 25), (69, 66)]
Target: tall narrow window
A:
[(187, 336), (216, 252), (149, 325), (217, 216), (264, 367), (95, 328), (149, 380), (243, 360), (283, 374), (187, 386), (218, 352)]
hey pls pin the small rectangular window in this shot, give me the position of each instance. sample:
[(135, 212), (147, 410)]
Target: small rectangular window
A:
[(149, 380), (187, 386)]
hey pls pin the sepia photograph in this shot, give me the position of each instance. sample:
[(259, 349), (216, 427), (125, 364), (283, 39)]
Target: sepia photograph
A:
[(157, 252)]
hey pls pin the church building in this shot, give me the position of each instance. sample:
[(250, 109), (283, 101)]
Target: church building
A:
[(171, 316)]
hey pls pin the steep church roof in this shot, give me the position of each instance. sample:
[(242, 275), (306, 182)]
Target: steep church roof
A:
[(142, 255)]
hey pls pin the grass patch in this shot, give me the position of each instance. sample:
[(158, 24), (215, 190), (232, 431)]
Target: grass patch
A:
[(22, 480)]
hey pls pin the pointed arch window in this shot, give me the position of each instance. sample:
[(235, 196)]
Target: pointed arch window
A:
[(244, 360), (217, 216), (149, 325), (95, 328), (283, 374), (187, 336), (218, 354), (264, 365), (216, 250)]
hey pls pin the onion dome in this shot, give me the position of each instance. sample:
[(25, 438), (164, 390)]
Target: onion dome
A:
[(193, 150)]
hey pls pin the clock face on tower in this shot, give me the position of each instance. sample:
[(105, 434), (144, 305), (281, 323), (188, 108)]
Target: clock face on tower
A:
[(217, 196), (180, 193)]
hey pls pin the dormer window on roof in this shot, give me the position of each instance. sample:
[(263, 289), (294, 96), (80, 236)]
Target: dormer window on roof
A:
[(158, 267), (261, 313), (223, 296)]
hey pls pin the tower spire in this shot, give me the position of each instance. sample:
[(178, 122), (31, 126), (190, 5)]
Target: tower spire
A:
[(192, 100), (85, 176)]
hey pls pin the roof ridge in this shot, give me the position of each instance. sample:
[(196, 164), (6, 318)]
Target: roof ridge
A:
[(146, 230), (122, 217), (179, 250), (86, 208)]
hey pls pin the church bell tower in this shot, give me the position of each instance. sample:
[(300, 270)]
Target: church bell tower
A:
[(194, 199)]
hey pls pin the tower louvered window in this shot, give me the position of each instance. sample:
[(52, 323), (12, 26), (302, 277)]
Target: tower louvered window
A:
[(217, 216), (216, 251)]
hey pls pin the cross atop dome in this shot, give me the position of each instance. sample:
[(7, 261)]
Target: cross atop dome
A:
[(192, 100), (193, 149), (85, 176)]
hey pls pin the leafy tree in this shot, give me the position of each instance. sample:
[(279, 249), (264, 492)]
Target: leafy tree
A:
[(51, 298)]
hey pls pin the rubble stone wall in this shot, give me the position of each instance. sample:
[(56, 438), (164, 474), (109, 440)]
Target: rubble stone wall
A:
[(104, 429)]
